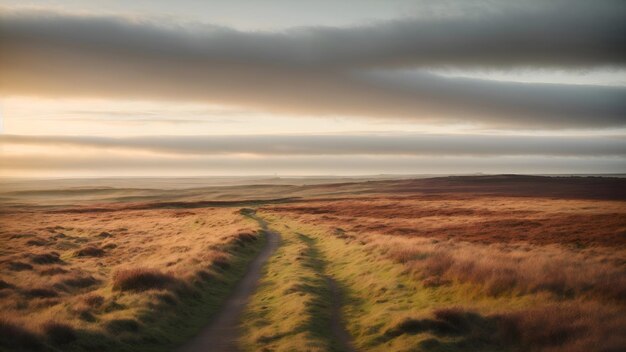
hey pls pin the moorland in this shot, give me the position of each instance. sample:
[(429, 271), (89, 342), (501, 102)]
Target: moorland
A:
[(460, 263)]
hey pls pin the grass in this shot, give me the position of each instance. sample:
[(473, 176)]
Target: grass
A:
[(89, 251), (520, 269), (291, 309), (141, 279), (432, 271), (403, 295), (16, 337), (576, 223), (46, 258), (59, 333)]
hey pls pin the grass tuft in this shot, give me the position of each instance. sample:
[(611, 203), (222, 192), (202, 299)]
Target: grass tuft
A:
[(41, 293), (46, 258), (93, 300), (80, 281), (142, 279), (105, 234), (19, 266), (59, 333), (53, 271), (36, 242), (89, 251)]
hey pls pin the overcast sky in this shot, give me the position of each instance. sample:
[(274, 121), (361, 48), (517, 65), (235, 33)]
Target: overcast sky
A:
[(312, 88)]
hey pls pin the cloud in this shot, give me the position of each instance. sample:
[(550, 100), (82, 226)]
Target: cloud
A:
[(350, 144), (121, 165), (356, 71), (559, 33)]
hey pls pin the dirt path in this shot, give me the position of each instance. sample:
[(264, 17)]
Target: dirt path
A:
[(337, 324), (340, 334), (222, 333)]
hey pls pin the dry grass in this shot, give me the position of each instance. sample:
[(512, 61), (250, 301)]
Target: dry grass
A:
[(93, 300), (573, 327), (89, 251), (563, 327), (566, 256), (142, 279), (541, 221), (521, 269), (453, 266), (15, 336), (58, 332), (46, 258), (498, 264), (100, 271)]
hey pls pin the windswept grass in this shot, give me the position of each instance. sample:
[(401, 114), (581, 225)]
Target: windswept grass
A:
[(446, 294), (483, 220), (141, 279), (503, 270), (436, 271), (127, 280), (291, 309), (89, 251)]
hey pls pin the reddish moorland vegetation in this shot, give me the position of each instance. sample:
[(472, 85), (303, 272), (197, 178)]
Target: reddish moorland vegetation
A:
[(566, 254)]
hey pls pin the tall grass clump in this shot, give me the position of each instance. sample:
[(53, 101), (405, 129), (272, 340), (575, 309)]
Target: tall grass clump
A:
[(143, 279)]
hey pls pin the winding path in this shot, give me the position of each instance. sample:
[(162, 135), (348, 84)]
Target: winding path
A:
[(222, 333)]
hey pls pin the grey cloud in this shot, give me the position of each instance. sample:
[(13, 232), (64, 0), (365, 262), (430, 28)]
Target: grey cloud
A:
[(308, 165), (557, 33), (332, 71), (368, 144)]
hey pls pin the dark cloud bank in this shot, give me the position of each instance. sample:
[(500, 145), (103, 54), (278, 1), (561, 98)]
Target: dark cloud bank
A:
[(358, 71)]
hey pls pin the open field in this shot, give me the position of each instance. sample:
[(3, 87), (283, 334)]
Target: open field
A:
[(489, 263), (117, 279), (312, 176)]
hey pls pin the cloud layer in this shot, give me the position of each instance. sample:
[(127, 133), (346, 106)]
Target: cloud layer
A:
[(115, 165), (366, 71), (355, 144)]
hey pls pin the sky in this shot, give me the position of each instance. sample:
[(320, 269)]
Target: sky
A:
[(297, 88)]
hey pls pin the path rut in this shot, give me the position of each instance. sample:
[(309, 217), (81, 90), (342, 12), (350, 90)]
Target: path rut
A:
[(337, 323), (222, 333), (340, 334)]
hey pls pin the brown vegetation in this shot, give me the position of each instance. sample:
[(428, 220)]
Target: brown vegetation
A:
[(141, 279), (41, 293), (93, 300), (566, 255), (99, 271), (562, 327), (530, 265), (89, 251), (14, 336), (122, 325), (19, 266), (58, 332), (483, 219), (46, 258), (79, 281), (520, 270)]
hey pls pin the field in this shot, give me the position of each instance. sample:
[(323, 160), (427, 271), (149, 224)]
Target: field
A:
[(489, 263), (116, 279)]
